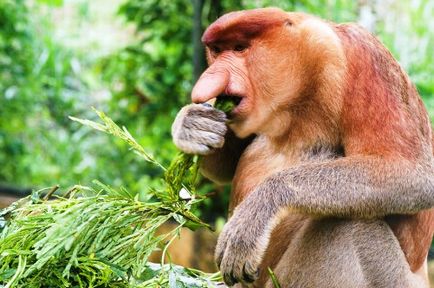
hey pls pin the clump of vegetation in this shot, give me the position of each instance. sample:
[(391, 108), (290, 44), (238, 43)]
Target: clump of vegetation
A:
[(93, 238), (100, 236)]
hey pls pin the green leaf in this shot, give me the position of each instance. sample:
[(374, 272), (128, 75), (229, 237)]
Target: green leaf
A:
[(274, 280), (55, 3)]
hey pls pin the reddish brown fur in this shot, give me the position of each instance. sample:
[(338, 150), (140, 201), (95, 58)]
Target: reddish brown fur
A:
[(388, 132), (387, 125), (414, 233)]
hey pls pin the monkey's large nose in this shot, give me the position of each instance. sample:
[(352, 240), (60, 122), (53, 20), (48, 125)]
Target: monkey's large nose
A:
[(211, 83)]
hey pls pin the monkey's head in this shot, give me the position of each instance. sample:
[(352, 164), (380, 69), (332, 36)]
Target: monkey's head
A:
[(271, 61)]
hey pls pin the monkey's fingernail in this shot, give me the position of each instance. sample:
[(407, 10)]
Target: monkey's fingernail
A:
[(249, 277), (229, 279), (206, 104)]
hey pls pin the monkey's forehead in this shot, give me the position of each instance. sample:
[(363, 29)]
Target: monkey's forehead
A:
[(243, 25)]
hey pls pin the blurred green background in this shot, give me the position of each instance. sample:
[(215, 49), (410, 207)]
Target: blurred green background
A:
[(136, 60)]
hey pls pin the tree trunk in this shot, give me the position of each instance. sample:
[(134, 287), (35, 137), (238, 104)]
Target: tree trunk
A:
[(198, 50)]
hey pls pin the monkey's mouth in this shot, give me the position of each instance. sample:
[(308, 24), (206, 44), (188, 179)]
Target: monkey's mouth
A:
[(228, 102)]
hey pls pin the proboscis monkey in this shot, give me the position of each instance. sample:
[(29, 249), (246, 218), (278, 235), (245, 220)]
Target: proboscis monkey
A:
[(329, 151)]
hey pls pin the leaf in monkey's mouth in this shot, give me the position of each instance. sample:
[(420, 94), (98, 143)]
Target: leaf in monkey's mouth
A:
[(227, 103)]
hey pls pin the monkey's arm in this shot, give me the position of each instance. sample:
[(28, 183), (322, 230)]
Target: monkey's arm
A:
[(220, 165), (355, 186)]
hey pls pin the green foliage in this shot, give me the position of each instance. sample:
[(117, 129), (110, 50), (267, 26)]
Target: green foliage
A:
[(155, 73), (38, 87), (273, 277), (157, 276), (100, 237), (83, 241), (336, 10), (51, 2), (225, 104)]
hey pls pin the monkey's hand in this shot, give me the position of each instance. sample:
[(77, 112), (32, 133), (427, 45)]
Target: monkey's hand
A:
[(199, 129), (244, 239)]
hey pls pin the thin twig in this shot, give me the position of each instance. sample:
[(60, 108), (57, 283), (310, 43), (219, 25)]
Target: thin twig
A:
[(51, 192), (69, 192)]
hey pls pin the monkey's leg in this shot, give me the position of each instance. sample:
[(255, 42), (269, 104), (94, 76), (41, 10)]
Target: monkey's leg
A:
[(338, 253), (383, 263), (322, 254)]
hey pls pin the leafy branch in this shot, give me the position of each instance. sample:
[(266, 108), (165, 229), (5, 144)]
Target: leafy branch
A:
[(99, 236)]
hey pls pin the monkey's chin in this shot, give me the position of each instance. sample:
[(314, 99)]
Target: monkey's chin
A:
[(240, 128)]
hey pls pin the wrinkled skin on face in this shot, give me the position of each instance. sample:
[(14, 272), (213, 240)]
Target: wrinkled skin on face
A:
[(259, 71), (231, 72)]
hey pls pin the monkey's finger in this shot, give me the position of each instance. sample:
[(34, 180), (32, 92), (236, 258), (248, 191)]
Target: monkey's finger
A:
[(218, 255), (220, 248), (229, 278), (231, 267), (209, 139), (205, 124), (206, 112), (198, 136), (192, 148), (250, 274), (216, 141)]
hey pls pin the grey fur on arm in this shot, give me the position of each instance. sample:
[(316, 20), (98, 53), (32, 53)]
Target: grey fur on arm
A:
[(355, 186)]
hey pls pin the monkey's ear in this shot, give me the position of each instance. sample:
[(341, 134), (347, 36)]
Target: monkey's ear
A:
[(242, 26)]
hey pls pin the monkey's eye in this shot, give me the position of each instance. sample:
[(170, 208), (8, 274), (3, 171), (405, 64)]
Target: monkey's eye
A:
[(215, 49), (240, 48)]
